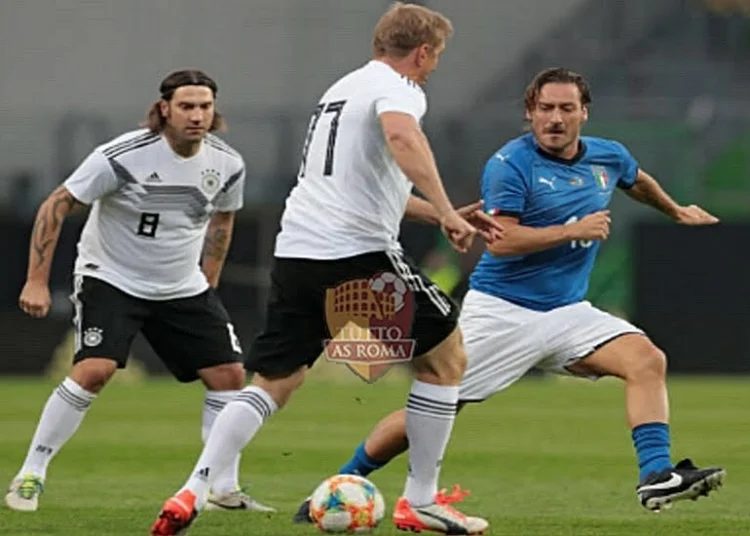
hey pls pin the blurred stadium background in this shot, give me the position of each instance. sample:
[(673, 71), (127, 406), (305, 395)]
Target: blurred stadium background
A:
[(670, 78)]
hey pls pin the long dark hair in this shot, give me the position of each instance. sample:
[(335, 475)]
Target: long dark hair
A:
[(156, 122)]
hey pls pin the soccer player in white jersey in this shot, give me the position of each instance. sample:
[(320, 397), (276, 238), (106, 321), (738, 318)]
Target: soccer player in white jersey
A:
[(149, 258), (526, 305), (363, 153)]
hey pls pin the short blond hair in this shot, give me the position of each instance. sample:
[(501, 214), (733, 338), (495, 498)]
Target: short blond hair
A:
[(405, 27)]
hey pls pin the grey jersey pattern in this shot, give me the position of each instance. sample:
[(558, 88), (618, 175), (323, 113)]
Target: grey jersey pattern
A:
[(150, 210), (189, 199)]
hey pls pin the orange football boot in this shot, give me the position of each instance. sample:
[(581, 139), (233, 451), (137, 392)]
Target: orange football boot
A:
[(439, 516)]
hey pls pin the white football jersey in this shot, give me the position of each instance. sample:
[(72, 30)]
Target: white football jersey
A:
[(151, 207), (351, 195)]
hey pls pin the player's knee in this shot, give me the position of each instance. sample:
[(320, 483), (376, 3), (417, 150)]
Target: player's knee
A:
[(457, 365), (649, 364), (455, 358), (280, 386), (92, 374), (226, 377), (657, 360), (444, 364)]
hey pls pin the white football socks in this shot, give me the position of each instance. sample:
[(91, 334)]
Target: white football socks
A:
[(228, 480), (61, 417), (430, 412), (233, 429)]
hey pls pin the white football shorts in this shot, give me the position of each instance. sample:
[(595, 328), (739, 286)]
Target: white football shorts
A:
[(504, 341)]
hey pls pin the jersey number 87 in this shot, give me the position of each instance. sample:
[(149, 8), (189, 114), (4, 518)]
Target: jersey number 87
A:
[(334, 108)]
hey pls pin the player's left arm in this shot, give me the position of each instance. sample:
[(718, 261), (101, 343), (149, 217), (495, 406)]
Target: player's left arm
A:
[(421, 210), (647, 190), (221, 225), (216, 246)]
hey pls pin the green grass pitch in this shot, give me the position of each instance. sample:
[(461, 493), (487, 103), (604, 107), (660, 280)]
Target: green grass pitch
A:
[(547, 457)]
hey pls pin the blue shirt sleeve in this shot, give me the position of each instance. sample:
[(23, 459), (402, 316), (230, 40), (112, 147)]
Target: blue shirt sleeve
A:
[(628, 168), (503, 188)]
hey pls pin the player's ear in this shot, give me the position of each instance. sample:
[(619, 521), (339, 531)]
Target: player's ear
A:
[(164, 108), (528, 115), (585, 114), (423, 51)]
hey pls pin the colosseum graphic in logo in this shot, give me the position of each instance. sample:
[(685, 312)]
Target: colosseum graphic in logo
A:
[(370, 320)]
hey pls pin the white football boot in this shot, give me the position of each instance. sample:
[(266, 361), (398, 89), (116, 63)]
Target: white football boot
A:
[(236, 500), (23, 493)]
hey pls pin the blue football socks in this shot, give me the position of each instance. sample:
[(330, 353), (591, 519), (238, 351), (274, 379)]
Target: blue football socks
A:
[(651, 442), (361, 464)]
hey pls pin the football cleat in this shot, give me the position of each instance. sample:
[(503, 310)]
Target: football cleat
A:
[(302, 517), (176, 516), (23, 493), (684, 481), (236, 500), (439, 516)]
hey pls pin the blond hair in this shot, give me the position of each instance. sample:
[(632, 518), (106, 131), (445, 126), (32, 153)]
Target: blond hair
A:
[(405, 27)]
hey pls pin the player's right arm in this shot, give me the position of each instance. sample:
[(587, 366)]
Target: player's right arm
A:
[(35, 296), (505, 192), (411, 151), (93, 179), (399, 107), (521, 239)]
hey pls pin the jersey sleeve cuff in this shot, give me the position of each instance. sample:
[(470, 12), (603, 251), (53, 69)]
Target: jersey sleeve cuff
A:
[(232, 208), (77, 195), (399, 109), (627, 185), (515, 213)]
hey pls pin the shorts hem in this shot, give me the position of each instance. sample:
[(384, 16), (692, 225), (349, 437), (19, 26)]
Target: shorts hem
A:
[(121, 362), (471, 400), (606, 341)]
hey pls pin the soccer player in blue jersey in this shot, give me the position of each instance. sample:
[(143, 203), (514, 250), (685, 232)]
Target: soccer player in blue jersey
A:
[(526, 305)]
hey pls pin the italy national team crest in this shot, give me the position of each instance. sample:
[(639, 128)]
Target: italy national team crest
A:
[(600, 174), (370, 320)]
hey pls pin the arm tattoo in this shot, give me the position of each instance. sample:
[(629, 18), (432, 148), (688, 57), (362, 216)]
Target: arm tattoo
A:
[(216, 244), (39, 239), (66, 201), (45, 232)]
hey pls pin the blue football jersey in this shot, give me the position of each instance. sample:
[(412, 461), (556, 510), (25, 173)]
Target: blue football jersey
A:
[(542, 190)]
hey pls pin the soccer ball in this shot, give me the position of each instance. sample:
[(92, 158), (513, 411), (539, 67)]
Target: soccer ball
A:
[(346, 503), (390, 283)]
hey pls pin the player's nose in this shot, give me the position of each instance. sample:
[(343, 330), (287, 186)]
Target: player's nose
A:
[(556, 118)]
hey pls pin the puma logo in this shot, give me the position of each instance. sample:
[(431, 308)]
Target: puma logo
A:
[(548, 182)]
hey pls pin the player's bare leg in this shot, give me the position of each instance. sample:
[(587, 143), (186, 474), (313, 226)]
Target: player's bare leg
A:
[(61, 417), (235, 426), (430, 412), (643, 367), (223, 383), (385, 442), (388, 438), (93, 373)]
